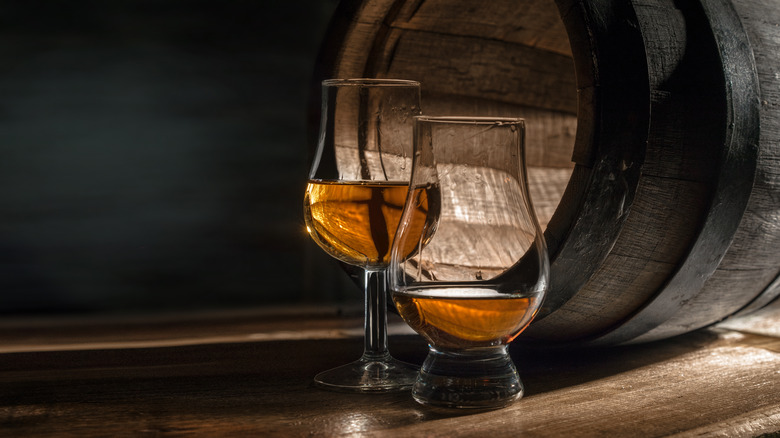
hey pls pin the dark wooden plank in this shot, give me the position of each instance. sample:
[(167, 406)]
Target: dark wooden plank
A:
[(612, 81), (708, 307), (601, 303), (758, 237), (664, 220), (29, 333), (657, 233), (675, 150), (706, 381), (751, 263), (703, 123)]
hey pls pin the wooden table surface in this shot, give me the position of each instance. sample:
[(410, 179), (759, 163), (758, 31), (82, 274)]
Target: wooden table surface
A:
[(250, 374)]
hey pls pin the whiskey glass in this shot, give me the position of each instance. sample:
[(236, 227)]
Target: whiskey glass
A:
[(353, 203), (478, 274)]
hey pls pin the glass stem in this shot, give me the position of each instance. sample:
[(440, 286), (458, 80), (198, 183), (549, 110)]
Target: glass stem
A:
[(376, 315)]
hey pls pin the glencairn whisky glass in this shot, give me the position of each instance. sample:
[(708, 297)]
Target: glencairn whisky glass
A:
[(353, 202), (478, 274)]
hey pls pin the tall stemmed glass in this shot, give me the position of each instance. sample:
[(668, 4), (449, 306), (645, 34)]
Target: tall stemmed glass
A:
[(354, 199), (475, 283)]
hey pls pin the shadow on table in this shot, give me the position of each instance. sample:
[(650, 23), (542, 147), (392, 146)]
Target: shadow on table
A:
[(548, 369)]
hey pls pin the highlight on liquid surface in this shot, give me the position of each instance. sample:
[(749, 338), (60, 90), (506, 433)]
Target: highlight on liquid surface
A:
[(356, 221), (466, 322)]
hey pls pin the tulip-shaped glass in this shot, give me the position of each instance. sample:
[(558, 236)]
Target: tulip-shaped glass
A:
[(472, 280), (354, 198)]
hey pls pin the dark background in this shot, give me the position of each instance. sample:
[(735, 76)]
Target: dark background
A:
[(153, 155)]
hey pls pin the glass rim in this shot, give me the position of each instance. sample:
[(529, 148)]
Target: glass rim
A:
[(471, 120), (374, 82)]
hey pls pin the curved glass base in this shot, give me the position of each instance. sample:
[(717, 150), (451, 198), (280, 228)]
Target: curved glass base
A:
[(384, 374), (476, 379)]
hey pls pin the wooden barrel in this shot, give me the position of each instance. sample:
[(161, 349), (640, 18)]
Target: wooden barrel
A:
[(653, 135)]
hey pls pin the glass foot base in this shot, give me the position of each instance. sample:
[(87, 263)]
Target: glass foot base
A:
[(366, 375), (474, 379)]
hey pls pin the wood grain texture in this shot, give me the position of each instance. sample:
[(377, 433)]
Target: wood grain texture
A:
[(487, 69), (751, 263), (356, 26), (665, 152), (546, 186), (713, 381), (656, 234), (733, 88), (758, 238), (462, 59), (612, 83), (549, 135)]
